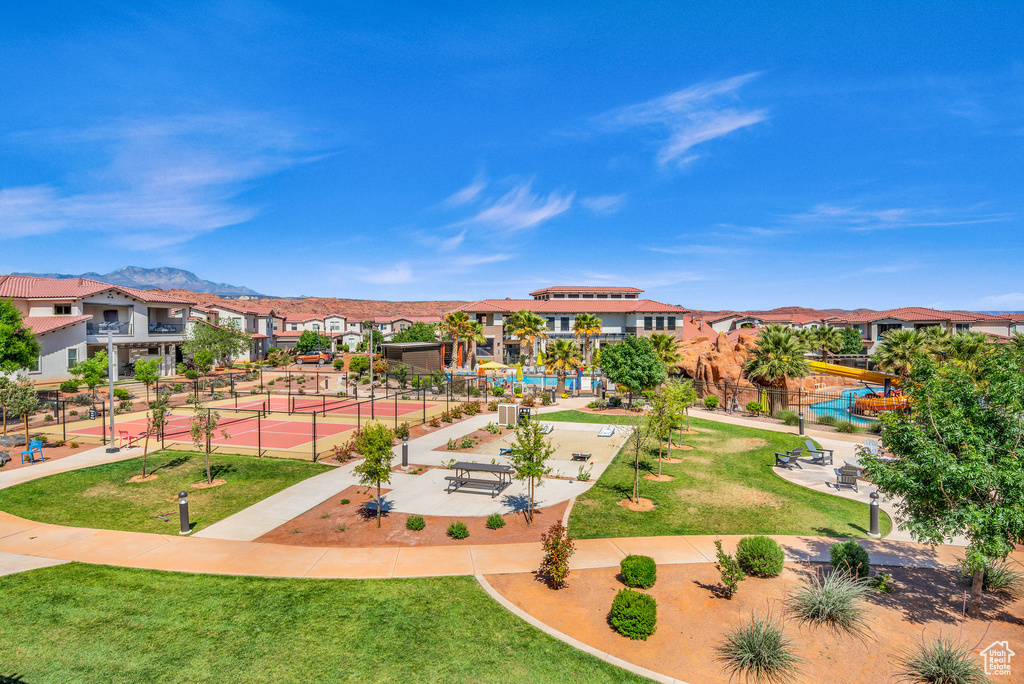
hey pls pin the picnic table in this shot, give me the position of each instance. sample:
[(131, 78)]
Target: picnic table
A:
[(468, 475)]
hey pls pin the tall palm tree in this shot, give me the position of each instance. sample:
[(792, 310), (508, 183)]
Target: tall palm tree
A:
[(827, 339), (527, 327), (967, 349), (934, 340), (474, 336), (584, 327), (562, 356), (455, 326), (778, 355), (667, 348), (899, 350)]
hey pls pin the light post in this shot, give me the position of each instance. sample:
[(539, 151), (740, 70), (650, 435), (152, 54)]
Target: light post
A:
[(112, 449)]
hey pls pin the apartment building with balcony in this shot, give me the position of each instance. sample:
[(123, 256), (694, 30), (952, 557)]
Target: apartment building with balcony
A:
[(257, 321), (872, 325), (73, 317)]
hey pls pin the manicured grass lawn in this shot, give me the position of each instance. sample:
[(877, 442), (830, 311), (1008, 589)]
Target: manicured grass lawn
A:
[(102, 497), (583, 417), (85, 624), (723, 486)]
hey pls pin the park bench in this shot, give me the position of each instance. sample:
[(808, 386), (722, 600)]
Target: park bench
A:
[(465, 476)]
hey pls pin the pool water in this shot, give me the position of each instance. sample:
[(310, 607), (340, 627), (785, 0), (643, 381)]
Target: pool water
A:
[(840, 407)]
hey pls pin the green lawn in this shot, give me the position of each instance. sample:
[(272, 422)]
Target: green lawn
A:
[(723, 486), (102, 497), (83, 624), (583, 417)]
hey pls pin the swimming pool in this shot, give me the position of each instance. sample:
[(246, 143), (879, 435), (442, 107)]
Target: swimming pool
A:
[(840, 407)]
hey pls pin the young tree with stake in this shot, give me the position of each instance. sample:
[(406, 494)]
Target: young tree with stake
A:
[(156, 419), (639, 437), (92, 371), (24, 400), (202, 426), (530, 452), (375, 443), (147, 372)]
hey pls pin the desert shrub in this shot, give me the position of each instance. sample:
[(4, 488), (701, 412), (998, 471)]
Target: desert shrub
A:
[(455, 412), (126, 405), (495, 521), (638, 571), (759, 651), (760, 556), (711, 402), (474, 392), (846, 426), (754, 407), (788, 416), (731, 572), (121, 393), (339, 363), (835, 602), (415, 523), (851, 558), (192, 374), (72, 412), (999, 576), (47, 418), (941, 661), (446, 416), (457, 529), (82, 400), (364, 380), (471, 408), (883, 582), (73, 445), (493, 429), (435, 422), (345, 502), (545, 400), (492, 405), (497, 391), (598, 404), (558, 548), (518, 391), (634, 614), (614, 402), (70, 386), (402, 431), (827, 420), (528, 401), (467, 442)]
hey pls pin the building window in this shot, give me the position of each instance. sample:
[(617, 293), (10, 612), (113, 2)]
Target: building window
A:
[(551, 322), (34, 366), (316, 326), (61, 309), (565, 322), (886, 327), (293, 326), (275, 326), (961, 327), (72, 357), (671, 323), (648, 323), (659, 323), (334, 326)]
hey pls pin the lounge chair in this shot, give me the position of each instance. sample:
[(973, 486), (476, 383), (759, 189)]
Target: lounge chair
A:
[(847, 477), (34, 447), (820, 454), (606, 431), (785, 460)]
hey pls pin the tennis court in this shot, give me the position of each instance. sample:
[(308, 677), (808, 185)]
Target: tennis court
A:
[(248, 431), (382, 407)]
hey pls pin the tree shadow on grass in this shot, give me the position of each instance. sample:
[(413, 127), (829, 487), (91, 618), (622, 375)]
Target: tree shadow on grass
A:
[(173, 463), (12, 679), (221, 470)]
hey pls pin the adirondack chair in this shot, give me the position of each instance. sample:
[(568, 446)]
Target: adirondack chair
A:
[(846, 477)]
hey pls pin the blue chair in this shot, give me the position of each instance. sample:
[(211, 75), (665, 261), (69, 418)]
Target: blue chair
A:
[(34, 447)]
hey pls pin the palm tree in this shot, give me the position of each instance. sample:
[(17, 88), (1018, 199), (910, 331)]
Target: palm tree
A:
[(527, 327), (778, 356), (474, 336), (828, 339), (666, 347), (898, 351), (967, 349), (934, 339), (455, 326), (583, 327), (561, 357)]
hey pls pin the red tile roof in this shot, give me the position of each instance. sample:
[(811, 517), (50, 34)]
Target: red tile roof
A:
[(41, 325), (251, 310), (584, 288), (917, 313), (32, 287), (303, 317), (558, 306)]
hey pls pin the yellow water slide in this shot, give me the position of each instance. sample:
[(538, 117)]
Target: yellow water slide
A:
[(855, 373)]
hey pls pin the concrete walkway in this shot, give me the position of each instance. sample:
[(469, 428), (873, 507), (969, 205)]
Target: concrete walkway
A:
[(12, 563), (85, 459), (219, 556)]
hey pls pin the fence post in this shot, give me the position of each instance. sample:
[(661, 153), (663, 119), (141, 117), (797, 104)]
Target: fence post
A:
[(423, 393), (314, 436), (259, 437), (359, 415), (396, 410), (64, 421)]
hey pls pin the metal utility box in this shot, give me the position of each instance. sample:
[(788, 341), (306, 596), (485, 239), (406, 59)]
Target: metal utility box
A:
[(508, 414)]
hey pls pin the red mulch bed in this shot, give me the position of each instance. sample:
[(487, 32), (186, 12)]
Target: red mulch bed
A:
[(49, 453), (314, 529)]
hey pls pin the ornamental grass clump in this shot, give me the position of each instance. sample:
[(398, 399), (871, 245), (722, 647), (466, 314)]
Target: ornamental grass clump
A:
[(638, 571), (1000, 576), (495, 521), (760, 556), (941, 661), (634, 614), (457, 529), (415, 523), (835, 602), (759, 651)]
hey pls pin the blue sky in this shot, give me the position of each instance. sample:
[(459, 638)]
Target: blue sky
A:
[(716, 156)]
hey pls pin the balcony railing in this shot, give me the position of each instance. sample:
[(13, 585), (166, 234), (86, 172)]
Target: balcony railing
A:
[(166, 328), (118, 328)]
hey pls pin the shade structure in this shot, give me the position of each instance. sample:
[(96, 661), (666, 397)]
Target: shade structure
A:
[(492, 365)]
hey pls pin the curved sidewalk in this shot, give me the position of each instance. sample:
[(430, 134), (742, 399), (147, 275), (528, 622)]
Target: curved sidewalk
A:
[(218, 556)]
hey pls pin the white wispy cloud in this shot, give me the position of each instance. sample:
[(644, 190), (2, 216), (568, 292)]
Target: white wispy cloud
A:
[(396, 274), (690, 117), (160, 182), (520, 208), (694, 249), (855, 218), (1010, 300), (604, 205), (466, 195)]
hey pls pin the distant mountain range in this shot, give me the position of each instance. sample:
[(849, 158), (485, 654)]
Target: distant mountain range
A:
[(163, 278)]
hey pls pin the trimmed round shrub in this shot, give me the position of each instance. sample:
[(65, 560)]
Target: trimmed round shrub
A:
[(121, 393), (457, 529), (760, 556), (711, 402), (634, 614), (415, 523), (70, 386), (638, 571), (495, 521), (851, 558)]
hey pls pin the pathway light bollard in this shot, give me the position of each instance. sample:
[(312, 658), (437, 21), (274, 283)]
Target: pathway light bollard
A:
[(801, 419), (405, 451), (183, 513), (874, 516)]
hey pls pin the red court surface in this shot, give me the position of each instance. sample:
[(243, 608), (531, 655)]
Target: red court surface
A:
[(274, 434), (349, 407)]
